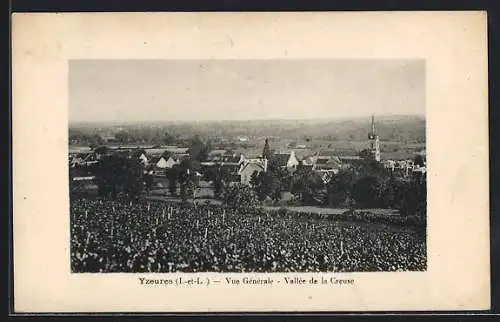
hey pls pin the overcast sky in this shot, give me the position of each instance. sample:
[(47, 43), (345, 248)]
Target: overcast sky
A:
[(195, 90)]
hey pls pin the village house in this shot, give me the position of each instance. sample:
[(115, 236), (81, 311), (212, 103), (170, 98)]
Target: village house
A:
[(308, 161), (159, 165), (326, 174), (404, 167), (108, 138), (216, 155), (249, 167), (155, 151), (76, 161), (172, 161), (83, 159), (231, 159), (144, 159), (350, 160), (286, 160), (243, 139), (327, 163)]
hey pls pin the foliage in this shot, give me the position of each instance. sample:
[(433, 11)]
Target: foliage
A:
[(241, 197), (266, 152), (419, 160), (123, 237), (167, 154), (115, 174), (339, 189), (124, 137), (101, 149), (414, 200), (173, 175), (220, 178), (169, 138), (369, 185), (307, 185), (138, 152), (198, 149), (366, 191), (365, 154), (266, 184), (399, 129)]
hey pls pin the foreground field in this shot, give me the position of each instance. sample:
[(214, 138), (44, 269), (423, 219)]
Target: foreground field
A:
[(109, 236)]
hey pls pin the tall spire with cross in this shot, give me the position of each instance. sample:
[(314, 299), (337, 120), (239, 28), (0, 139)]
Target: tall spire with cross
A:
[(374, 141), (373, 124)]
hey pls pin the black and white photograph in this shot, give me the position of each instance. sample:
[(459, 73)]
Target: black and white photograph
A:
[(247, 165), (250, 162)]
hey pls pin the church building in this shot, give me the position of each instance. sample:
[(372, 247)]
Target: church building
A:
[(374, 142)]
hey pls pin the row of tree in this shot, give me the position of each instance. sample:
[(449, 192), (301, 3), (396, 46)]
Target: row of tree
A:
[(367, 185)]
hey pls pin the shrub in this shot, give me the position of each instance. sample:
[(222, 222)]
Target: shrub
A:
[(241, 196)]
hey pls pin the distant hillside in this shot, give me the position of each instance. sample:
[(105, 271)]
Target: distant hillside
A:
[(408, 129)]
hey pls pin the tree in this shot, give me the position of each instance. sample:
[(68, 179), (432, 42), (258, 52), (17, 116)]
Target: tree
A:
[(273, 165), (419, 160), (101, 150), (166, 154), (168, 138), (414, 199), (148, 179), (138, 152), (123, 137), (271, 186), (218, 181), (184, 178), (266, 152), (241, 197), (255, 179), (187, 177), (117, 174), (339, 189), (198, 150), (186, 164), (307, 185), (391, 192), (95, 140), (366, 191), (370, 167), (266, 184), (173, 175), (365, 154)]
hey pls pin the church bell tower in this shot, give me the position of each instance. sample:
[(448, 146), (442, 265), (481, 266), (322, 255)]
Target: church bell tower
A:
[(374, 141)]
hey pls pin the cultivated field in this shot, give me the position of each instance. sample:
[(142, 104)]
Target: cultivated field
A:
[(116, 236)]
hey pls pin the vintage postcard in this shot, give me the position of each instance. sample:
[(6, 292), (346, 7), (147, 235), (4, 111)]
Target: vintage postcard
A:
[(250, 162)]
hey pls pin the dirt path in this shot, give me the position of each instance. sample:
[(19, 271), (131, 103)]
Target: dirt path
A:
[(305, 209)]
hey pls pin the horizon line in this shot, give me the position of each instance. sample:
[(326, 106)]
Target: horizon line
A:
[(247, 120)]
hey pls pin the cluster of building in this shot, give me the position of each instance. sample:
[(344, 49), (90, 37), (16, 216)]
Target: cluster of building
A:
[(407, 167), (326, 163)]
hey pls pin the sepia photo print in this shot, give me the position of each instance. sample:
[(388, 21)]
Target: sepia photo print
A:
[(247, 165), (250, 162)]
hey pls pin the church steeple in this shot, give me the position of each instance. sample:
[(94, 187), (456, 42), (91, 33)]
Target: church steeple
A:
[(373, 124), (371, 135), (374, 141)]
